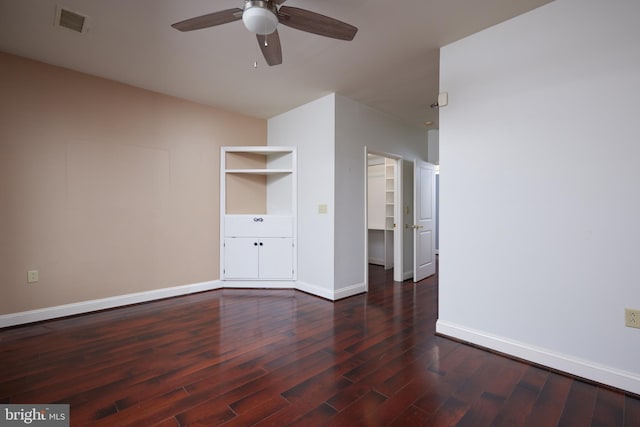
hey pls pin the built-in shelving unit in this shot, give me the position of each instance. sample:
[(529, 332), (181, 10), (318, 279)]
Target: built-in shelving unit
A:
[(389, 207), (381, 209), (258, 214)]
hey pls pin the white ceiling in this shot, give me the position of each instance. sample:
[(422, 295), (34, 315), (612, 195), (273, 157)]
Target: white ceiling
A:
[(391, 65)]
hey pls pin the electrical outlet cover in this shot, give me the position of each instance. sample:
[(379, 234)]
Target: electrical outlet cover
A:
[(632, 318), (32, 276)]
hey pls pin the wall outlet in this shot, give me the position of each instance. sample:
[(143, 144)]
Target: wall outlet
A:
[(32, 276), (632, 318)]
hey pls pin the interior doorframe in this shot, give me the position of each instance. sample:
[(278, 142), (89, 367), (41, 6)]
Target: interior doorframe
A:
[(398, 255)]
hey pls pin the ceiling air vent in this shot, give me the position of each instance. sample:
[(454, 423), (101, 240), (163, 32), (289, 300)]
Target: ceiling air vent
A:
[(71, 20)]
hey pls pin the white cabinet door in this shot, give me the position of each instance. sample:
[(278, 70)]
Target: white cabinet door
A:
[(276, 258), (251, 258), (241, 258)]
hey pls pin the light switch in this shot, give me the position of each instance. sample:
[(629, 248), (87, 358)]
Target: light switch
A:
[(443, 99), (322, 209)]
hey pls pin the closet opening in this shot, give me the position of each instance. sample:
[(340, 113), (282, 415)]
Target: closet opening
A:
[(383, 208)]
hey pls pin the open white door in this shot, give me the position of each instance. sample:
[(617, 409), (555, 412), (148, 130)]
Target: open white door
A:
[(424, 214)]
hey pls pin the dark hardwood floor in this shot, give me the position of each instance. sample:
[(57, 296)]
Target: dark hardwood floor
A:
[(279, 357)]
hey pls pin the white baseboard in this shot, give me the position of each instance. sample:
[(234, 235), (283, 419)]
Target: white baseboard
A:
[(582, 368), (30, 316), (262, 284), (349, 291), (331, 294), (407, 275), (297, 285), (315, 290)]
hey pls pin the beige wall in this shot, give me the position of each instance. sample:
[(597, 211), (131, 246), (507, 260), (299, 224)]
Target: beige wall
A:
[(106, 189), (246, 193)]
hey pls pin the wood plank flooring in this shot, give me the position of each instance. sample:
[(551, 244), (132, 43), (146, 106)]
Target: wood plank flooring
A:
[(280, 357)]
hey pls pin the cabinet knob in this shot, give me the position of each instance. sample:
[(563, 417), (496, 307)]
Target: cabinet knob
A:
[(257, 219), (255, 243), (260, 243)]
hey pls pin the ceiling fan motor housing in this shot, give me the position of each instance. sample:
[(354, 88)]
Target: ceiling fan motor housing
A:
[(260, 17)]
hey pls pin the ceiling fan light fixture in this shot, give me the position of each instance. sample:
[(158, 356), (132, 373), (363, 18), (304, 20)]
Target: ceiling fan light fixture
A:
[(260, 17)]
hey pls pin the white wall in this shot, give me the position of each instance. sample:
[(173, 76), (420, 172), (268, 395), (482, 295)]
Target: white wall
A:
[(311, 128), (331, 134), (540, 204), (433, 136), (358, 126)]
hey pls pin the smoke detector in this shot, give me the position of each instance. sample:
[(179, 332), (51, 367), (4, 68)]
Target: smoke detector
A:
[(71, 20)]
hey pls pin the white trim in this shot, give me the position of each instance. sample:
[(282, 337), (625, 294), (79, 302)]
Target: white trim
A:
[(407, 275), (398, 231), (582, 368), (366, 219), (349, 291), (38, 315), (258, 284), (315, 290), (377, 261), (24, 317), (329, 294)]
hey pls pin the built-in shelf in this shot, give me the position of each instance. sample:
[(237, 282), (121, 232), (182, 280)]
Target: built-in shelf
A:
[(264, 150), (390, 197), (258, 180), (381, 209), (258, 214), (260, 171)]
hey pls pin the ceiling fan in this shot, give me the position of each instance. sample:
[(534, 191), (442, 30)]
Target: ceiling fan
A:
[(262, 18)]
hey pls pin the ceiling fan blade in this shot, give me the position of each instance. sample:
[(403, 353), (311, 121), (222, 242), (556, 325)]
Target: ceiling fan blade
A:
[(311, 22), (271, 49), (209, 20)]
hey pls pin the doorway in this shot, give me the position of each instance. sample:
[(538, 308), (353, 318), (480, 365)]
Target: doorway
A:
[(383, 210), (400, 226)]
